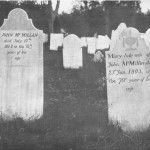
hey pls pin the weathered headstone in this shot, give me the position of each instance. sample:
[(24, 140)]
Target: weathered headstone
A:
[(21, 67), (91, 42), (103, 42), (115, 34), (56, 40), (128, 81), (72, 52)]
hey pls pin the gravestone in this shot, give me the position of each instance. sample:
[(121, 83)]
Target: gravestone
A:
[(84, 41), (115, 34), (103, 42), (128, 82), (91, 42), (21, 67), (72, 52), (56, 41)]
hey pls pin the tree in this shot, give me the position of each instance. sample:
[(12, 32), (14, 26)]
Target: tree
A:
[(108, 8), (119, 11), (51, 15), (90, 17)]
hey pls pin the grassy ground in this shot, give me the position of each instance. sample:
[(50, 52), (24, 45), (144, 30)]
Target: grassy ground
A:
[(75, 113)]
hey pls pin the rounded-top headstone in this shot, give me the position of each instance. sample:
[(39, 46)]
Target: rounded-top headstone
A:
[(70, 40), (72, 52), (18, 20)]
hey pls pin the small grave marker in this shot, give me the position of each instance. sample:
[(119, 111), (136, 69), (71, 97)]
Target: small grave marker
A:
[(91, 42), (56, 40), (84, 41), (103, 42), (72, 52)]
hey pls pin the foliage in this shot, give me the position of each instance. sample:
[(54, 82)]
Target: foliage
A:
[(95, 17)]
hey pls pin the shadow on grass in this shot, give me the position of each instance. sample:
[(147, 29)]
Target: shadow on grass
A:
[(34, 135)]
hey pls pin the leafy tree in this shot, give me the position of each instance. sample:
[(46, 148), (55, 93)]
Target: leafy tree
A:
[(119, 11), (90, 17)]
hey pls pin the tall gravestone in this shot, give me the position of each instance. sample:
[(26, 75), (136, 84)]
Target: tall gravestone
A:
[(21, 67), (128, 81), (72, 52)]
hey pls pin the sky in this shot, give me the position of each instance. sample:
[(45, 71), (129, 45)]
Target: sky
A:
[(67, 5)]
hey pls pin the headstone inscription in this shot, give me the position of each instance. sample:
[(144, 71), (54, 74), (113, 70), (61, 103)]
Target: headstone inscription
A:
[(21, 67), (56, 40), (128, 81), (72, 52)]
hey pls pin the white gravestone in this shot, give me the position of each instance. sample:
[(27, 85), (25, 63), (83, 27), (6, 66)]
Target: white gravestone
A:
[(21, 67), (56, 41), (103, 42), (115, 34), (84, 41), (72, 52), (91, 42), (128, 82)]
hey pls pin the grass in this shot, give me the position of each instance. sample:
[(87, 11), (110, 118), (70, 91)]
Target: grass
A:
[(75, 113), (20, 135)]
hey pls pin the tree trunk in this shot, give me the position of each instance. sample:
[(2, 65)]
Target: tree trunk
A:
[(51, 16), (107, 22)]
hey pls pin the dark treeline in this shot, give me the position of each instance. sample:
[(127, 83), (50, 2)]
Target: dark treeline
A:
[(88, 18)]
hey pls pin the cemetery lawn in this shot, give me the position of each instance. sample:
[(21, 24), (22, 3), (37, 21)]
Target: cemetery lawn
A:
[(75, 113)]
